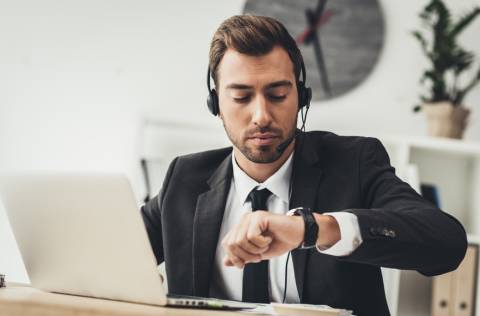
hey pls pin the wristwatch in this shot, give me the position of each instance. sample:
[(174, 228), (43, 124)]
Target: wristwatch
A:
[(311, 227)]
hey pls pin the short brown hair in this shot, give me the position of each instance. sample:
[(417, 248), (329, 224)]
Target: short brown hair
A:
[(252, 35)]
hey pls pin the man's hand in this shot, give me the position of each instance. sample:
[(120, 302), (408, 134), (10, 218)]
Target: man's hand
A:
[(262, 235)]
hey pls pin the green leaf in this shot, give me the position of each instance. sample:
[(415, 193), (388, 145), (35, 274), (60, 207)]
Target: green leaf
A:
[(464, 22), (463, 92), (423, 42), (462, 60)]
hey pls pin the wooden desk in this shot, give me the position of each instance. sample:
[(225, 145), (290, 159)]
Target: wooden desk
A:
[(16, 300)]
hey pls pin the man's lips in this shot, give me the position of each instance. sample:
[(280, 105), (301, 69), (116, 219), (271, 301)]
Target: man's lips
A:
[(263, 138)]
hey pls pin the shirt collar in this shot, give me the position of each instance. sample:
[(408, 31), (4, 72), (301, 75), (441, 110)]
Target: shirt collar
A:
[(278, 183)]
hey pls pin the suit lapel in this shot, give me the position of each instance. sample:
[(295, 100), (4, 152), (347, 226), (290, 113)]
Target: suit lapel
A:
[(306, 179), (208, 219)]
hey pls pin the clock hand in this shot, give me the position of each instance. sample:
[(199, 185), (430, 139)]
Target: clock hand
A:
[(320, 8), (322, 69), (302, 37), (312, 18)]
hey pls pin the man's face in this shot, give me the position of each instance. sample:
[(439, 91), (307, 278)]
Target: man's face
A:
[(258, 102)]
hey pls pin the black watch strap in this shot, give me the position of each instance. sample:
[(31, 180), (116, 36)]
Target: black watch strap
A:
[(311, 227)]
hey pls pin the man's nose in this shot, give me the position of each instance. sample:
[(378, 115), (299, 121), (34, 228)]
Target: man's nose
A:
[(261, 112)]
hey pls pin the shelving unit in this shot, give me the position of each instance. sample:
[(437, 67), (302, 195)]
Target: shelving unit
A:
[(453, 166)]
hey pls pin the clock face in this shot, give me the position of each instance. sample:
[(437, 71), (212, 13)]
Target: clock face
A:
[(340, 40)]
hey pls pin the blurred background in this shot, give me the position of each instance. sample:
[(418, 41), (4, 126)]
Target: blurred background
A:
[(100, 85)]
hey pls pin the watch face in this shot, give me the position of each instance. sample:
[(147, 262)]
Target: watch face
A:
[(340, 40)]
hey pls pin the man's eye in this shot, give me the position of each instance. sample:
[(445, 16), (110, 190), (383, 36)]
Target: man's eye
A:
[(242, 99), (277, 97)]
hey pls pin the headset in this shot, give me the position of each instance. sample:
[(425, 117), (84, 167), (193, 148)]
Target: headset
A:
[(304, 93)]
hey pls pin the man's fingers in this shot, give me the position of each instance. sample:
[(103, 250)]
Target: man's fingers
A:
[(241, 236), (260, 241), (237, 255), (243, 241), (246, 243), (232, 260), (255, 235), (227, 262), (254, 239), (243, 255), (250, 247)]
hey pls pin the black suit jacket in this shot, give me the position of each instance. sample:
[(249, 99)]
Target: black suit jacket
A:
[(331, 173)]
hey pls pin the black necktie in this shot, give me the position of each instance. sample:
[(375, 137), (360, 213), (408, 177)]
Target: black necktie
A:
[(255, 275)]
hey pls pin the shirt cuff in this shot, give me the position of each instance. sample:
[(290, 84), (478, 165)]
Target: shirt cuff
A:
[(350, 237)]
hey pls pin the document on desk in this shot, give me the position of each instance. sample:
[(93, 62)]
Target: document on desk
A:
[(298, 310)]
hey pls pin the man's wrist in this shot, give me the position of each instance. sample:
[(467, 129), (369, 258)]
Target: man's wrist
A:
[(329, 231)]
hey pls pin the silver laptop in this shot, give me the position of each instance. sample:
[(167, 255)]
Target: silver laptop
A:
[(83, 234)]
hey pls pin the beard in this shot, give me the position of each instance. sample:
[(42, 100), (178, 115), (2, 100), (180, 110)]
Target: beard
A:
[(260, 154)]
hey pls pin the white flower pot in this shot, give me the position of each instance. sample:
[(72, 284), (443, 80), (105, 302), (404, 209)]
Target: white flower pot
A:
[(446, 120)]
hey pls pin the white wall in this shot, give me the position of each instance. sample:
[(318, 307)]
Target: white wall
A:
[(78, 77)]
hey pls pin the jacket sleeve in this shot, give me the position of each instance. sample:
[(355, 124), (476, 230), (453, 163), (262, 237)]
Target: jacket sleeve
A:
[(151, 214), (399, 228)]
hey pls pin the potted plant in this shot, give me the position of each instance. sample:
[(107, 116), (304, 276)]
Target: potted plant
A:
[(443, 104)]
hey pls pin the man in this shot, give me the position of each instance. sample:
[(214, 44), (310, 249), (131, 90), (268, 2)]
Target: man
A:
[(220, 222)]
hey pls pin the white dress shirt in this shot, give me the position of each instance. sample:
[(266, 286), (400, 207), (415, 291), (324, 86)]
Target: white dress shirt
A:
[(227, 281)]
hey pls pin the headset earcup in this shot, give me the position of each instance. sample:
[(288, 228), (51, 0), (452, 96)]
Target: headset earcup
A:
[(301, 95), (304, 95), (308, 96), (212, 102)]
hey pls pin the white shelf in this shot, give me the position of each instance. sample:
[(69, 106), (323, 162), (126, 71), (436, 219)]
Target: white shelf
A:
[(453, 166), (453, 146)]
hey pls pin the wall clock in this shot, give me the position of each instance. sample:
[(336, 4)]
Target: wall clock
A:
[(340, 40)]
